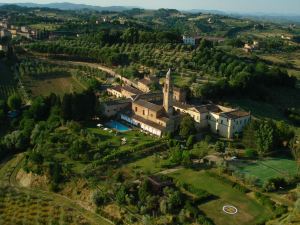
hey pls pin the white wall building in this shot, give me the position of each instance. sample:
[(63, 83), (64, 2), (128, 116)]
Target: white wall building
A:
[(187, 40)]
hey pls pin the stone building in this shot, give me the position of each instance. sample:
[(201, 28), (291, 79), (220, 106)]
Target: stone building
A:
[(161, 112)]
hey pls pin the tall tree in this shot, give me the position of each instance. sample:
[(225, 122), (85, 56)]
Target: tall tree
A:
[(14, 102), (187, 126)]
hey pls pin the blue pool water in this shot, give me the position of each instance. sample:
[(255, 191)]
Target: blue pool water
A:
[(116, 125)]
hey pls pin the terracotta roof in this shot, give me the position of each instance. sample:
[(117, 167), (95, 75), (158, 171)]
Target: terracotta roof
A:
[(116, 88), (117, 102), (235, 114), (145, 81), (132, 90), (150, 95), (148, 105), (200, 108), (182, 106), (165, 119), (212, 108), (147, 122)]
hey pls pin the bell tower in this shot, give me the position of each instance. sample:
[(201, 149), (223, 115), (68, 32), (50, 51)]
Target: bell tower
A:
[(168, 94)]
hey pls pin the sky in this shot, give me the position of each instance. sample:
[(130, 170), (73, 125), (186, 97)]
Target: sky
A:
[(242, 6)]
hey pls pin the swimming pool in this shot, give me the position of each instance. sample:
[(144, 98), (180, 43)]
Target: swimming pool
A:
[(116, 125)]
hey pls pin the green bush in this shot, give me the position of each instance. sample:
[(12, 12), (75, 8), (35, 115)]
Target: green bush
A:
[(265, 200), (250, 153), (274, 184), (99, 198)]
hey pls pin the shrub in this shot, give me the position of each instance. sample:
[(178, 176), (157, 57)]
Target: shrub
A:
[(190, 141), (265, 200), (204, 220), (250, 153), (280, 210), (99, 198), (274, 184)]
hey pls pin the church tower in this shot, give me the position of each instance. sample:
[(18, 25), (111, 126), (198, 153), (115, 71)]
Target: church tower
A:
[(168, 94)]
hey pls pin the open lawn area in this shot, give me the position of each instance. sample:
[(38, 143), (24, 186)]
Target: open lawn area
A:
[(151, 164), (249, 210), (58, 85), (133, 137), (266, 169)]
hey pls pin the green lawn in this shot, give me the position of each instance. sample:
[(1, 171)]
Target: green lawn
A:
[(133, 137), (265, 169), (151, 164), (250, 211), (58, 85)]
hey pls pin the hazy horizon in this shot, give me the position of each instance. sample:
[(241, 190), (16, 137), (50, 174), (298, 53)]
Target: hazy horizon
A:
[(238, 6)]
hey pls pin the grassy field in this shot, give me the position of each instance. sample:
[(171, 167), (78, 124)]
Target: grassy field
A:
[(46, 26), (268, 168), (151, 164), (133, 137), (249, 211), (7, 83), (17, 207), (58, 85), (285, 58)]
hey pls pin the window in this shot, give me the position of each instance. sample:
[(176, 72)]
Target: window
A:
[(221, 121), (143, 112), (136, 109)]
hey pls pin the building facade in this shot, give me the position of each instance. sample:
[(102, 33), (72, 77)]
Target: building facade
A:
[(161, 112)]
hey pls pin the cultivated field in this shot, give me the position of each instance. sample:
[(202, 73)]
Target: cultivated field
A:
[(58, 85), (18, 207), (7, 83), (27, 206)]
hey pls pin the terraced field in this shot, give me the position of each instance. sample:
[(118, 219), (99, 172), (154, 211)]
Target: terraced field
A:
[(20, 205)]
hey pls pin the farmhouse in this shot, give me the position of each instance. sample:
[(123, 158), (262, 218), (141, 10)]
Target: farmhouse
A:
[(195, 40)]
